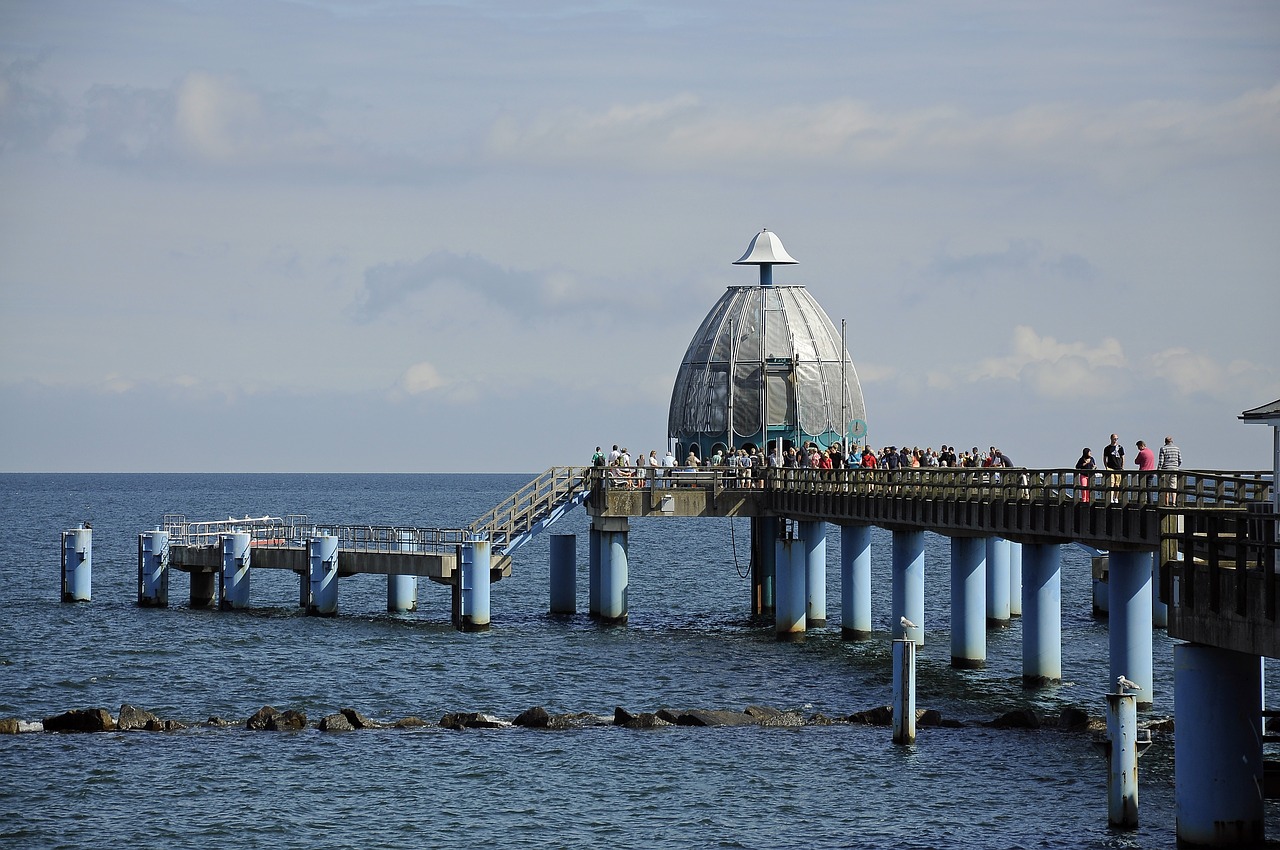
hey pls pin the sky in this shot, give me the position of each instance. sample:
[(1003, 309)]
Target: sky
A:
[(395, 236)]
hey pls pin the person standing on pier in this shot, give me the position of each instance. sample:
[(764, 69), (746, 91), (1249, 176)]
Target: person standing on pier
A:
[(1086, 464), (1146, 460), (1170, 461), (1113, 459)]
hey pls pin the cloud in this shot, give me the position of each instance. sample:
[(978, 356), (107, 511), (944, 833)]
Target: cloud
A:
[(1065, 371), (421, 378), (29, 115), (1190, 373), (684, 132), (212, 122), (444, 283), (391, 287), (1021, 256)]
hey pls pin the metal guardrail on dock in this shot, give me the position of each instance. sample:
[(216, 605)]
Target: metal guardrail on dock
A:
[(293, 531)]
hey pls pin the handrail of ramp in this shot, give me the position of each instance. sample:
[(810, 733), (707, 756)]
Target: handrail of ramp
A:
[(534, 506)]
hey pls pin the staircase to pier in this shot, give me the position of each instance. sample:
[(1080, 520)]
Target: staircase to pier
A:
[(531, 510)]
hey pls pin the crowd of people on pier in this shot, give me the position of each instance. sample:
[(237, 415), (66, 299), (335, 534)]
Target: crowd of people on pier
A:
[(746, 461)]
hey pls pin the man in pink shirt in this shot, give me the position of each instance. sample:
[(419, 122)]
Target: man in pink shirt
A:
[(1146, 461)]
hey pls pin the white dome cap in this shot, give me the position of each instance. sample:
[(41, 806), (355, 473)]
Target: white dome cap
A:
[(765, 249)]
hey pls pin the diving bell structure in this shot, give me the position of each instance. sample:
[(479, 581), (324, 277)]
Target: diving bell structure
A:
[(766, 364)]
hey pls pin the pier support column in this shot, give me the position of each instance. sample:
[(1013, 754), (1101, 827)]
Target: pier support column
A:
[(594, 557), (908, 585), (968, 602), (814, 535), (1042, 613), (855, 582), (1122, 761), (1217, 751), (563, 573), (153, 569), (204, 589), (1159, 611), (402, 591), (402, 594), (471, 612), (234, 592), (1015, 579), (788, 615), (764, 565), (997, 582), (1129, 620), (904, 691), (77, 564), (323, 553), (613, 569)]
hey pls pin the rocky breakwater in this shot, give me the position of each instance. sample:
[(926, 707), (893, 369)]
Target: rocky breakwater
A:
[(271, 719)]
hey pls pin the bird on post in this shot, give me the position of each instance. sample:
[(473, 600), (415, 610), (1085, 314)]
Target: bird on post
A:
[(907, 624), (1122, 683)]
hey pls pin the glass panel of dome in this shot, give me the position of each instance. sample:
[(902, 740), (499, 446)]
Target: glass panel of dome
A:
[(781, 399), (718, 400), (746, 399), (812, 401), (747, 332)]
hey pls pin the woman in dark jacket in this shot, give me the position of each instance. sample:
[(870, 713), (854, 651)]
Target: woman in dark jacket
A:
[(1086, 465)]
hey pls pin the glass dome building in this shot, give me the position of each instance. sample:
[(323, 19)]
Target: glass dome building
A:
[(766, 364)]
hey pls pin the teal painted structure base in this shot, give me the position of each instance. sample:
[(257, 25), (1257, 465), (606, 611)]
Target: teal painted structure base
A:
[(472, 585), (153, 569), (1122, 761), (908, 586), (563, 573), (997, 582), (789, 611), (968, 602), (1129, 621), (855, 582), (904, 691), (1217, 751), (234, 590), (814, 537), (77, 565), (322, 551), (1041, 613)]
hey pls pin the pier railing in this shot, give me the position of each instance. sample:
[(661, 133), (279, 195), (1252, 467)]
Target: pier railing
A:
[(1182, 489), (293, 531)]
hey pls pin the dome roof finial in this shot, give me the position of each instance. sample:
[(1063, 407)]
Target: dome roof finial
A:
[(765, 250)]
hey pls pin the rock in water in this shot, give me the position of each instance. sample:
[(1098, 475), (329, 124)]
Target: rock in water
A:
[(81, 720), (133, 718)]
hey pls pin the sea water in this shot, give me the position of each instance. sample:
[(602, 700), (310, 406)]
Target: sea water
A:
[(688, 644)]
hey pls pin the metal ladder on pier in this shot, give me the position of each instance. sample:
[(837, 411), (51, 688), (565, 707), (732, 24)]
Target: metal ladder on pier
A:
[(532, 508)]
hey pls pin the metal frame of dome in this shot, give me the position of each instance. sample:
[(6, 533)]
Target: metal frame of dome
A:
[(793, 378)]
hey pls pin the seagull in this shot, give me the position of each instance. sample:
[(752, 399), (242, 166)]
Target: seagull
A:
[(907, 624), (1122, 683)]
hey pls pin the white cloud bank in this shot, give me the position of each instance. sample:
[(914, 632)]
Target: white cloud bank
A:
[(1082, 371), (685, 132)]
